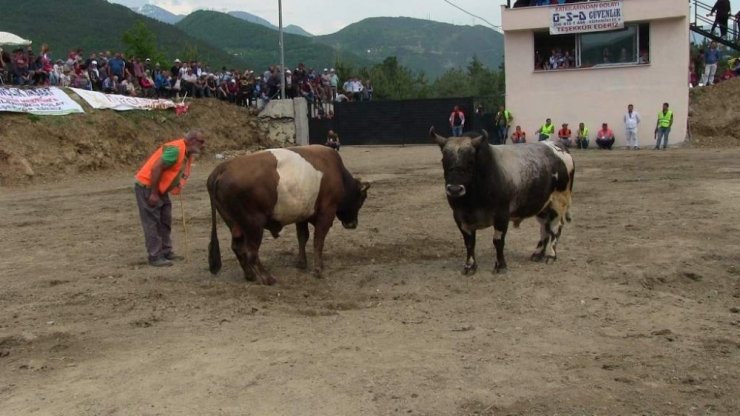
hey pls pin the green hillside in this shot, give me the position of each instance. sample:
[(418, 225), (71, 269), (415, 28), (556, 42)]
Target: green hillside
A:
[(258, 45), (420, 45), (96, 25)]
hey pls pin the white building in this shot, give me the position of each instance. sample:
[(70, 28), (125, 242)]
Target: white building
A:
[(645, 63)]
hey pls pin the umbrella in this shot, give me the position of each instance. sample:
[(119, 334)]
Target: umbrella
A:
[(7, 38)]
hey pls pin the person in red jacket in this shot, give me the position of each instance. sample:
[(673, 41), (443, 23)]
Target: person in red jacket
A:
[(564, 135), (165, 171), (457, 121)]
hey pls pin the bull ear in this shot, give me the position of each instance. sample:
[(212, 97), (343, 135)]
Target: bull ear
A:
[(441, 141)]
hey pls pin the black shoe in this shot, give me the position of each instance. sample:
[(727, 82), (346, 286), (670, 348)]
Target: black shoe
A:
[(160, 262), (173, 256)]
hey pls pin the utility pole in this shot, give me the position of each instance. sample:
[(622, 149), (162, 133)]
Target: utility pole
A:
[(282, 50)]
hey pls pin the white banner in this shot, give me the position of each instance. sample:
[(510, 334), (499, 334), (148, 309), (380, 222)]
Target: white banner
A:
[(592, 16), (50, 101), (98, 100)]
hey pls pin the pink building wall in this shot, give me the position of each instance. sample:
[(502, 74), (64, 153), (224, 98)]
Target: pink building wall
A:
[(596, 95)]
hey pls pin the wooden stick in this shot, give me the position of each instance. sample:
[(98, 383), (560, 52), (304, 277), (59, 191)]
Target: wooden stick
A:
[(184, 228)]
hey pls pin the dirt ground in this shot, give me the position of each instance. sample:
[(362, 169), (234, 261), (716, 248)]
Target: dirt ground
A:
[(639, 315)]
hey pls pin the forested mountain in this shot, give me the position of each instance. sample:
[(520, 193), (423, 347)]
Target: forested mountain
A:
[(421, 45), (158, 13), (259, 45), (96, 25), (221, 39), (249, 17)]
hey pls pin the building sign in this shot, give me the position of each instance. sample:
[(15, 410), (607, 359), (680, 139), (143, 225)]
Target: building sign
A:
[(42, 101), (98, 100), (592, 16)]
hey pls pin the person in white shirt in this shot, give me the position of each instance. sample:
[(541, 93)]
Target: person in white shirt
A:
[(631, 120)]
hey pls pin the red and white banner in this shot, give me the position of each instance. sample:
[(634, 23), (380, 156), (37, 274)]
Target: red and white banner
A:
[(49, 101), (98, 100)]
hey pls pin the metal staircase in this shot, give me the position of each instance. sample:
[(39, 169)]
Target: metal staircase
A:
[(702, 25)]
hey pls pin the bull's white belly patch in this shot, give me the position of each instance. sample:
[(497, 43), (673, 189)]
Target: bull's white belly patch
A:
[(297, 189)]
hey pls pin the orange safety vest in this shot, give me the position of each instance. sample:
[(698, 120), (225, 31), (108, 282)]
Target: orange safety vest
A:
[(144, 175)]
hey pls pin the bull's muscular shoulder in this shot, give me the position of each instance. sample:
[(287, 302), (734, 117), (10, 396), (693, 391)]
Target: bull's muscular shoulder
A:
[(322, 158)]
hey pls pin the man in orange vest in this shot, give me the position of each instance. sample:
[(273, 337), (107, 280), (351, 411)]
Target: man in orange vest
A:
[(165, 171)]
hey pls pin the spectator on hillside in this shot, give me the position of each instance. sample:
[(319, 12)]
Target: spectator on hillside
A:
[(299, 74), (162, 84), (334, 83), (116, 66), (187, 82), (147, 85), (65, 80), (110, 85), (128, 86), (211, 86), (45, 65), (711, 58), (94, 75), (21, 74), (340, 98), (307, 91), (233, 90)]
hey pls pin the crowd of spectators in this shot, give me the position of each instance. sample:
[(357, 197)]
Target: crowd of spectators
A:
[(113, 73)]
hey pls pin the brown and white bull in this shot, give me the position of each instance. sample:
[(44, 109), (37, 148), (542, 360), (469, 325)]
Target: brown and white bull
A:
[(274, 188), (491, 185)]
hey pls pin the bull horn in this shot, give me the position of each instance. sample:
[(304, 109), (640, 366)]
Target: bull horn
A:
[(437, 138), (364, 186)]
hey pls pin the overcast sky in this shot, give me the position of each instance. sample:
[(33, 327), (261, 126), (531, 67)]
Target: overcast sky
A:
[(321, 17)]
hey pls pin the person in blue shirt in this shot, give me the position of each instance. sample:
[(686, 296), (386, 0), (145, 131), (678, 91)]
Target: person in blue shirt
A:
[(711, 57)]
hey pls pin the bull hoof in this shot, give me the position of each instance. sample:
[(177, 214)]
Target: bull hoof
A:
[(470, 269), (301, 264), (537, 256), (500, 268), (268, 280), (318, 274), (250, 277), (549, 259)]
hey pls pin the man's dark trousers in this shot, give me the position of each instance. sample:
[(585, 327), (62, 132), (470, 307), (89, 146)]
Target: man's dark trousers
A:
[(156, 221)]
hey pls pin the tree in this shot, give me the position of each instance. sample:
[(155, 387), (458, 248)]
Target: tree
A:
[(140, 42)]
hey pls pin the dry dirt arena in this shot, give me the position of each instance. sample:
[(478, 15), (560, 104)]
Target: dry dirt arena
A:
[(639, 315)]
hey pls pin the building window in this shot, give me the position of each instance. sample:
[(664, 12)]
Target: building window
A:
[(628, 46)]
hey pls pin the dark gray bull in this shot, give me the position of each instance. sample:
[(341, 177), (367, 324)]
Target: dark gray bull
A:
[(491, 185)]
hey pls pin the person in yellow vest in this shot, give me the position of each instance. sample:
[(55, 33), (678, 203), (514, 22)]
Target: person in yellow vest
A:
[(547, 130), (164, 172), (582, 136), (502, 120), (665, 121)]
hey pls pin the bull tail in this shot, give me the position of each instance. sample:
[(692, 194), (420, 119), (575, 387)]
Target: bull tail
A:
[(214, 251), (572, 177)]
